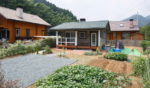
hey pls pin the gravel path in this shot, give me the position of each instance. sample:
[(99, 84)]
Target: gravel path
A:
[(30, 68)]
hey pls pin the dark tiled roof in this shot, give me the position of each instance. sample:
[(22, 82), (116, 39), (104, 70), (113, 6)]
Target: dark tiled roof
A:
[(81, 25)]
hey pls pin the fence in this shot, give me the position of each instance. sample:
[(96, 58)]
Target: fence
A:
[(125, 42)]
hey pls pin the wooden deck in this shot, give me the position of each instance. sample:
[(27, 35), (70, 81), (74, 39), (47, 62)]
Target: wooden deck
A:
[(77, 47)]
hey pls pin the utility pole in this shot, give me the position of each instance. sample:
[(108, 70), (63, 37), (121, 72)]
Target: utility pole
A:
[(137, 18)]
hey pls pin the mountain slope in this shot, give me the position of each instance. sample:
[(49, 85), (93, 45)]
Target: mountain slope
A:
[(46, 10), (142, 20)]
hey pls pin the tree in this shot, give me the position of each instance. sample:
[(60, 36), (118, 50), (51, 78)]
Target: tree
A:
[(44, 9), (146, 31)]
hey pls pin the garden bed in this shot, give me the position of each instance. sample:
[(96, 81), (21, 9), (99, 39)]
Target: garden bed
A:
[(80, 76)]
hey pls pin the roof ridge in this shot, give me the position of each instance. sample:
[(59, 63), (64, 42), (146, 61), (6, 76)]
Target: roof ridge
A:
[(28, 17), (15, 11), (87, 21)]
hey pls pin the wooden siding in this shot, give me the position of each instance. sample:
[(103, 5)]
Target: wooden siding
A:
[(11, 25), (87, 40), (133, 35)]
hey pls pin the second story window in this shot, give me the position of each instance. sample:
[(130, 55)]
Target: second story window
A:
[(27, 32), (17, 32)]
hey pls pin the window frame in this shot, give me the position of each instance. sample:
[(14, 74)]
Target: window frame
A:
[(82, 37), (28, 34), (17, 32)]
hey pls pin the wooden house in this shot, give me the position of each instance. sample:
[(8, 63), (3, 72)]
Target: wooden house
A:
[(124, 30), (16, 24), (82, 34)]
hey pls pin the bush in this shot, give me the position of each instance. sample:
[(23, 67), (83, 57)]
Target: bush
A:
[(92, 53), (47, 50), (19, 48), (80, 76), (145, 44), (139, 66), (51, 42), (116, 56)]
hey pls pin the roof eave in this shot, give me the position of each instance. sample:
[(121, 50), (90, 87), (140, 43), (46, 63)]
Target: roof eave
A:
[(75, 29), (30, 22)]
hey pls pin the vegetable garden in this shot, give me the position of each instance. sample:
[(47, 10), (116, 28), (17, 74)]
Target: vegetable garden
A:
[(80, 76)]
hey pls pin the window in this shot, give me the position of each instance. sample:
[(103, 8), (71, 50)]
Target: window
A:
[(82, 34), (70, 34), (27, 32), (125, 35), (17, 32)]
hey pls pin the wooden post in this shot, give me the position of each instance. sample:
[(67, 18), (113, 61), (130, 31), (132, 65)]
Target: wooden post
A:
[(99, 38), (56, 37), (76, 38)]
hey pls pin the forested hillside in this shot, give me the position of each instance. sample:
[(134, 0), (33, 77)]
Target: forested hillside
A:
[(46, 10)]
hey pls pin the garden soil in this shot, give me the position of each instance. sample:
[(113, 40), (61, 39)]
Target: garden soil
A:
[(117, 67)]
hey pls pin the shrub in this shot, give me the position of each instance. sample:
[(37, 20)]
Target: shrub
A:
[(116, 56), (51, 42), (47, 50), (139, 66), (92, 53), (19, 48), (145, 44), (80, 76)]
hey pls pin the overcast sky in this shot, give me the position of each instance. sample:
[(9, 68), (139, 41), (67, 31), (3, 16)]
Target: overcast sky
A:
[(94, 10)]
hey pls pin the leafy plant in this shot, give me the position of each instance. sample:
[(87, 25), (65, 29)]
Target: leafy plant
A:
[(19, 48), (80, 76), (51, 42), (116, 56), (47, 50), (139, 66), (145, 44), (92, 53)]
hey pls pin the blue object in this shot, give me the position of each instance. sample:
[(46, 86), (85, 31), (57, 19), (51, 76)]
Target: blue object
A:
[(117, 50)]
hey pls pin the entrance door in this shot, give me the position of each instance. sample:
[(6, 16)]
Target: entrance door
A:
[(93, 39)]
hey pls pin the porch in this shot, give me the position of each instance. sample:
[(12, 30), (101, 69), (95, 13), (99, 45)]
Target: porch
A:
[(88, 39)]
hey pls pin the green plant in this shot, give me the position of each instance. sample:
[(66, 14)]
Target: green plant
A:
[(139, 66), (92, 53), (49, 41), (116, 56), (145, 44), (47, 50), (80, 76)]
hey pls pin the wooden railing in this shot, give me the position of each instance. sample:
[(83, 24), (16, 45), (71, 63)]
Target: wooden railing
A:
[(66, 41)]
